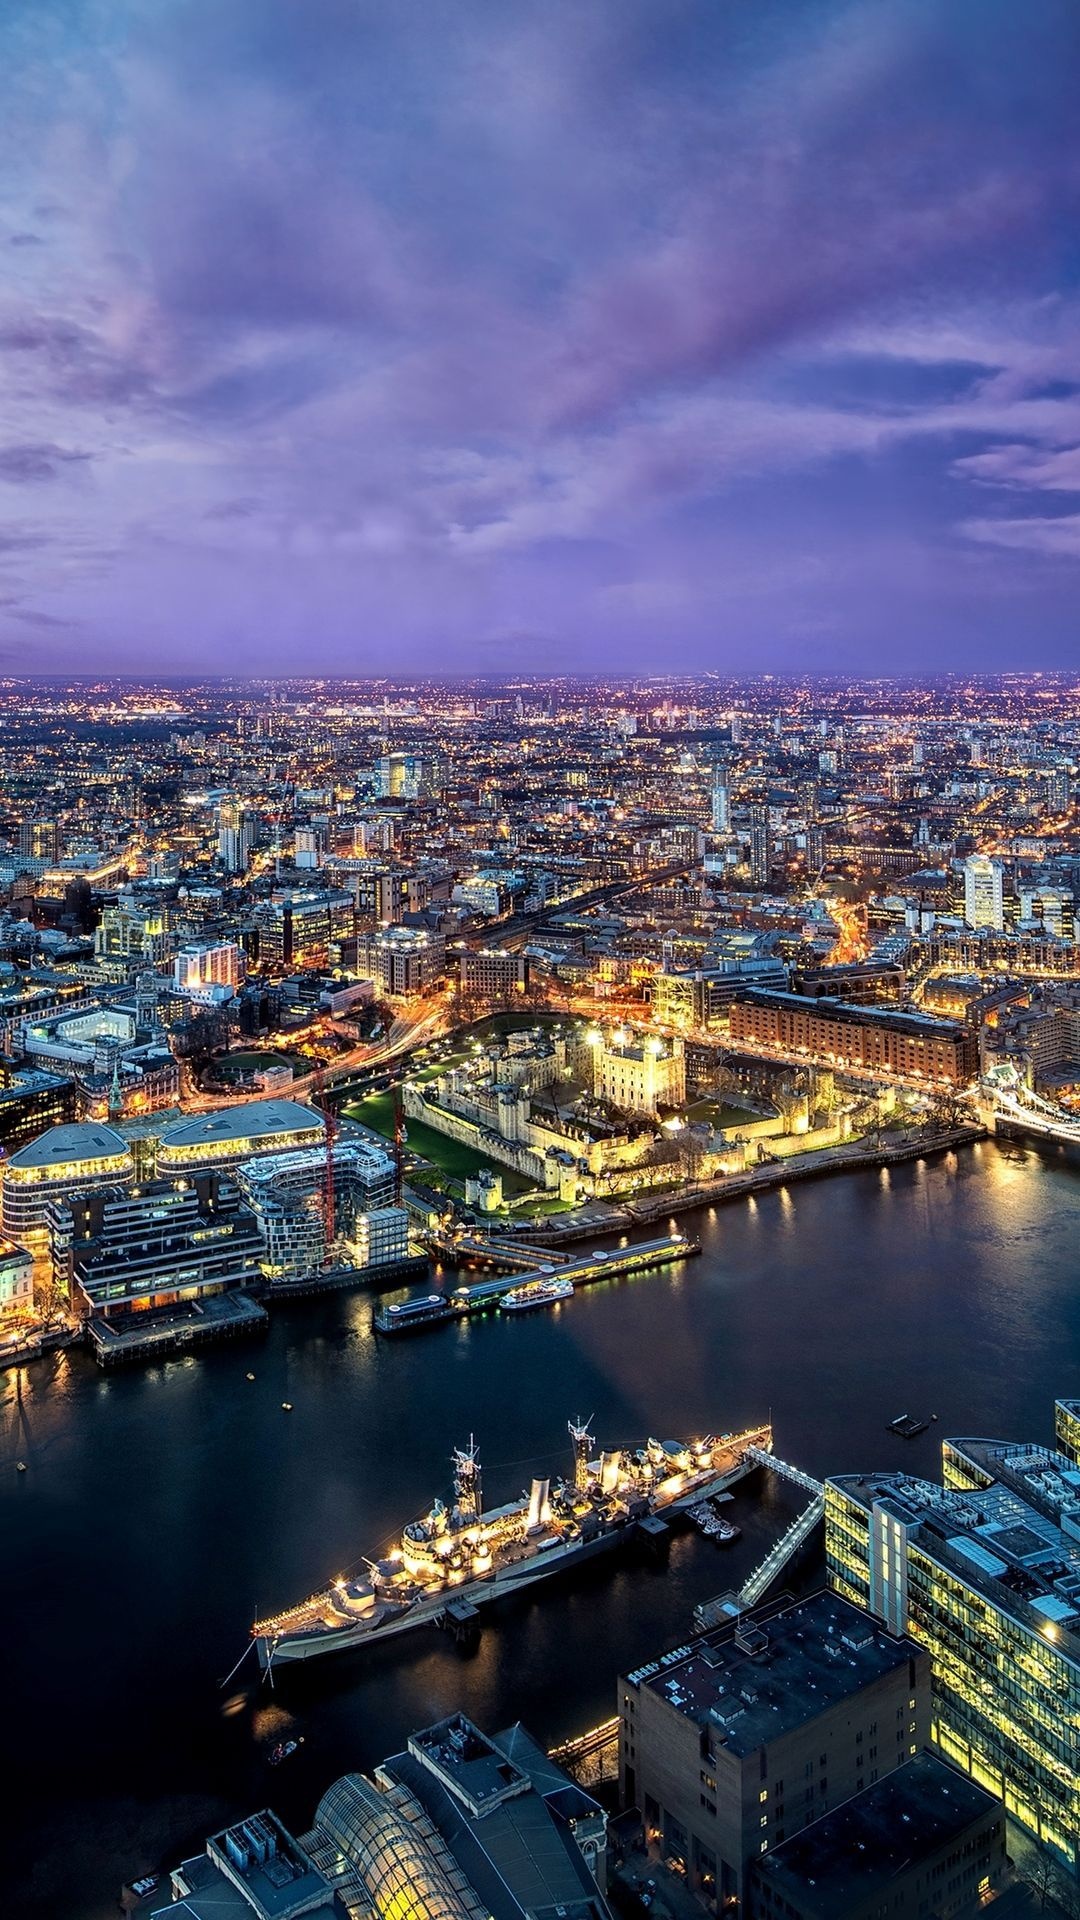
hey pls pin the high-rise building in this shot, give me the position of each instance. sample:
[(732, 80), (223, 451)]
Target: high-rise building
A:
[(984, 891), (721, 801), (760, 844), (236, 836), (984, 1573)]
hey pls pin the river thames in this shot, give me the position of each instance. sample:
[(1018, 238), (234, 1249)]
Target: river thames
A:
[(161, 1509)]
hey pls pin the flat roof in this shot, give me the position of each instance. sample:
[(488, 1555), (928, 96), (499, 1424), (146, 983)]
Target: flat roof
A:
[(800, 1663), (78, 1140), (249, 1120), (853, 1854), (825, 1007)]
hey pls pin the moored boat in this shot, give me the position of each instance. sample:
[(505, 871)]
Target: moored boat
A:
[(463, 1553)]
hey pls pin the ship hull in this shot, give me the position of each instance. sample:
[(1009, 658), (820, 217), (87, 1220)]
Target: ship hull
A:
[(478, 1593)]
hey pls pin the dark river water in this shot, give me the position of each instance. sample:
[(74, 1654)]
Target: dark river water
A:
[(163, 1508)]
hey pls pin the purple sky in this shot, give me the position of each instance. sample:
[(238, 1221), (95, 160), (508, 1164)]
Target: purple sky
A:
[(541, 334)]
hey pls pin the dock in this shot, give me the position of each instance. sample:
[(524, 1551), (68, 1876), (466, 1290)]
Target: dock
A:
[(602, 1264), (155, 1335), (304, 1286)]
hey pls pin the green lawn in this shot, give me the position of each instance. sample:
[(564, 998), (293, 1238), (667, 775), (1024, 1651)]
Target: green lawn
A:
[(231, 1066), (450, 1156), (721, 1116)]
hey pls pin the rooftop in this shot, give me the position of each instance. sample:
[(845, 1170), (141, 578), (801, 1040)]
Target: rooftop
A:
[(854, 1853), (1015, 1539), (758, 1679), (822, 1007), (79, 1140), (250, 1120)]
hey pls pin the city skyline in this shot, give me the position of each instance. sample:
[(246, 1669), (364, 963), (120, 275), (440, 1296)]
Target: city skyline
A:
[(484, 343)]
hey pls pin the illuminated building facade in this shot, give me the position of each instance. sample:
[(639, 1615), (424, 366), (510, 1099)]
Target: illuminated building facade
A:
[(83, 1157), (16, 1283), (835, 1033), (735, 1743), (231, 1135), (170, 1241), (30, 1102), (299, 929), (985, 1574), (208, 964), (984, 892), (639, 1073)]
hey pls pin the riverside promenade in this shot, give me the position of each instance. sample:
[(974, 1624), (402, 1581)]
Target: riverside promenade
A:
[(850, 1157)]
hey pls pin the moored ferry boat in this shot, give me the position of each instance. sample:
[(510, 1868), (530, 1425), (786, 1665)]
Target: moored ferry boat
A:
[(537, 1293), (466, 1553)]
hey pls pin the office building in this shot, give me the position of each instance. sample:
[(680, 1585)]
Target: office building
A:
[(80, 1158), (203, 964), (229, 1135), (913, 1046), (1067, 1428), (132, 932), (984, 1573), (302, 929), (733, 1744), (405, 960), (117, 1251), (455, 1827), (984, 892), (31, 1101), (491, 973), (921, 1842)]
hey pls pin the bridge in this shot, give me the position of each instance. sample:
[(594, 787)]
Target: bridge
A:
[(592, 1757), (770, 1569), (1010, 1101), (727, 1606)]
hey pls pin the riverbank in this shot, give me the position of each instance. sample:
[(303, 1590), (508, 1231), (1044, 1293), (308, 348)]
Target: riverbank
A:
[(859, 1156)]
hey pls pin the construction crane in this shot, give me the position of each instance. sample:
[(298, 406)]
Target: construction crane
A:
[(399, 1146), (330, 1132)]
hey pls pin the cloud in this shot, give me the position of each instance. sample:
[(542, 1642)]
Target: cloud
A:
[(1056, 537), (406, 320), (32, 463)]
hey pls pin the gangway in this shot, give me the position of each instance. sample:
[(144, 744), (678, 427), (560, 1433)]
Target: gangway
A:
[(785, 1549), (771, 1460)]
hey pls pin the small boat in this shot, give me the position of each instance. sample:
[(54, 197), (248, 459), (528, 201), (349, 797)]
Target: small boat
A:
[(20, 1466), (284, 1749), (249, 1376), (286, 1406), (724, 1532)]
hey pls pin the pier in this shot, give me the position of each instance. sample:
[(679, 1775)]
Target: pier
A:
[(154, 1336), (602, 1264)]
